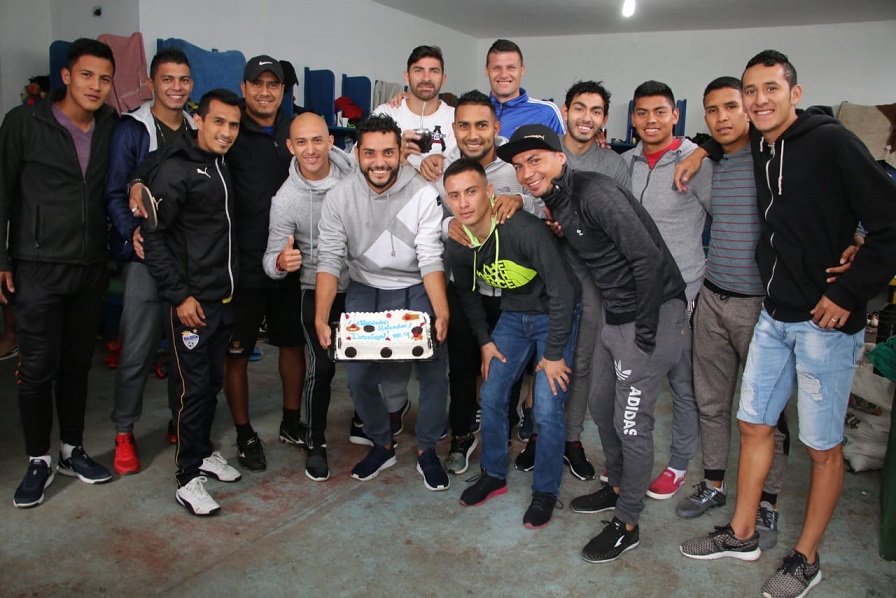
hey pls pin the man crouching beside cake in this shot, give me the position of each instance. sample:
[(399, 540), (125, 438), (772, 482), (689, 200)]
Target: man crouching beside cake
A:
[(383, 222)]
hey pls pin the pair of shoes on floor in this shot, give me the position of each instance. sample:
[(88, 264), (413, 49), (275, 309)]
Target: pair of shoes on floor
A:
[(462, 447), (39, 476), (486, 487), (380, 458)]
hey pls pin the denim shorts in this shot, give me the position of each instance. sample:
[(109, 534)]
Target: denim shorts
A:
[(819, 362)]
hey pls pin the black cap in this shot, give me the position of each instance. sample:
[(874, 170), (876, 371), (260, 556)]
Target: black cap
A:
[(256, 66), (530, 137)]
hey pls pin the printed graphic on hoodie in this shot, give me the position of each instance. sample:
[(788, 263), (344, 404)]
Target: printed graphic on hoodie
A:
[(505, 274)]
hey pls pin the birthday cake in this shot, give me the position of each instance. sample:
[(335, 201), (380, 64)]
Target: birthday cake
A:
[(395, 335)]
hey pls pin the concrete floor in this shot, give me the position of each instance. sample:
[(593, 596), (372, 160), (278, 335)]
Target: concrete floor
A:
[(282, 534)]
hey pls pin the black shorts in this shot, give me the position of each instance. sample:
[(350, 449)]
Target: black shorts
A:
[(280, 306)]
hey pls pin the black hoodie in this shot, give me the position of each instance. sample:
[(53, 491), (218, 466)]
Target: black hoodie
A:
[(813, 186)]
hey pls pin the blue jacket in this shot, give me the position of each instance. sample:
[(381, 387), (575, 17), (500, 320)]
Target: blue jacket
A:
[(132, 139), (523, 110)]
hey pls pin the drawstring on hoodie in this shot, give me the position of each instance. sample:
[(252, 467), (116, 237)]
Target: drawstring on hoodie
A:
[(762, 145)]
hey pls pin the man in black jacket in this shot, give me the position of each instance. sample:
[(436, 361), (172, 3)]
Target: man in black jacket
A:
[(644, 311), (193, 259), (259, 162), (53, 262)]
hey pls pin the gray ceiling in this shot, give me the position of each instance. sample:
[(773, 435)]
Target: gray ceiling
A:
[(523, 18)]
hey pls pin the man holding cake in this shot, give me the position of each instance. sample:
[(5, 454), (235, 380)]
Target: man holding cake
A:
[(383, 222)]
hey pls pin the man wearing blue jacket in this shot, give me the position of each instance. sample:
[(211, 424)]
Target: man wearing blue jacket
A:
[(153, 125)]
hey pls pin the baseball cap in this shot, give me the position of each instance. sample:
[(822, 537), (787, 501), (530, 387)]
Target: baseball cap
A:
[(530, 137), (256, 66)]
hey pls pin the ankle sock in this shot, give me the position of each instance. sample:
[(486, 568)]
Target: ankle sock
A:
[(66, 450), (244, 433), (292, 415), (679, 473), (45, 458)]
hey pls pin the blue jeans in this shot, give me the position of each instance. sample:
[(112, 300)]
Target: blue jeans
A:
[(821, 364), (517, 335)]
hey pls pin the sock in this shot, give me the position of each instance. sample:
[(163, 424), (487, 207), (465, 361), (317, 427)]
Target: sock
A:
[(292, 415), (770, 498), (45, 458), (244, 433), (66, 450), (679, 473)]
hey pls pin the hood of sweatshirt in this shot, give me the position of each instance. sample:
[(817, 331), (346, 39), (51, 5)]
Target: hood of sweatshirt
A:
[(806, 121)]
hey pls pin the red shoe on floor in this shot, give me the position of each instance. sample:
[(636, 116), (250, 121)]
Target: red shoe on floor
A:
[(665, 486), (126, 460), (171, 434)]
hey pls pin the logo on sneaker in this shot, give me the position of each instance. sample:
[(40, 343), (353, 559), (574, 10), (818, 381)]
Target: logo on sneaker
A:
[(631, 412), (619, 542), (621, 373), (204, 171), (190, 339)]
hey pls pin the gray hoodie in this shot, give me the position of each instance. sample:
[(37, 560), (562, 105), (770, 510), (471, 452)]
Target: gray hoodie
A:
[(295, 210), (389, 240), (680, 217)]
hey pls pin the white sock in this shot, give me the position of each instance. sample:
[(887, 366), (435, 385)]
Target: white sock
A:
[(66, 450), (45, 458), (679, 473)]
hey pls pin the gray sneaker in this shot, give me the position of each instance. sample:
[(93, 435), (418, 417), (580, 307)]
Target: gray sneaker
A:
[(795, 577), (767, 525), (705, 497), (459, 458), (722, 543)]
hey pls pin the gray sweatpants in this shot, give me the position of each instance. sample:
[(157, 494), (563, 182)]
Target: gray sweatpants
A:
[(622, 405), (723, 328), (590, 323)]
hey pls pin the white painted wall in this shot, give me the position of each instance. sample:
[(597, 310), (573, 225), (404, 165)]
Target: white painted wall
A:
[(25, 36), (355, 37), (74, 18), (835, 63)]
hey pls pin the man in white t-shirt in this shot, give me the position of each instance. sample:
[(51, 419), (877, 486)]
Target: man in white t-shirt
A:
[(422, 109)]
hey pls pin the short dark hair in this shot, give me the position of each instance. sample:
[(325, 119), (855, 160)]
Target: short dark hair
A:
[(503, 45), (222, 95), (421, 52), (378, 123), (654, 88), (475, 98), (725, 82), (464, 165), (88, 47), (166, 56), (580, 87), (771, 58)]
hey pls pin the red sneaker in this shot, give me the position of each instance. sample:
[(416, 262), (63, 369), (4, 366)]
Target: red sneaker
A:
[(665, 486), (126, 460)]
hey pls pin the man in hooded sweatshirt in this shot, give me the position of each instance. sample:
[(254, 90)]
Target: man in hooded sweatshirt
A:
[(317, 167), (384, 223), (814, 182)]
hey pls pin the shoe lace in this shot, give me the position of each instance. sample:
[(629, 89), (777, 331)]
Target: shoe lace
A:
[(792, 564), (704, 491), (543, 500)]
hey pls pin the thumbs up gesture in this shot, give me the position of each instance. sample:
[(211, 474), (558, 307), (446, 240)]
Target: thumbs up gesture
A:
[(290, 259)]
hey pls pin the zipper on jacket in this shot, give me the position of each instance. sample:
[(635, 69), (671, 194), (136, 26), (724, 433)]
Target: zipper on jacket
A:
[(37, 227), (771, 239), (229, 228)]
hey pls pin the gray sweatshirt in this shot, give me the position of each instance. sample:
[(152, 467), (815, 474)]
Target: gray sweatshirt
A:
[(680, 217), (389, 240), (295, 210)]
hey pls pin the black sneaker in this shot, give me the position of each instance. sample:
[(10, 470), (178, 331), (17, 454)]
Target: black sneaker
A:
[(293, 432), (316, 467), (795, 577), (485, 488), (378, 459), (602, 500), (527, 425), (435, 478), (767, 525), (705, 497), (525, 461), (251, 454), (396, 419), (721, 543), (579, 466), (30, 492), (476, 424), (356, 434), (611, 542), (540, 510), (81, 466), (459, 456)]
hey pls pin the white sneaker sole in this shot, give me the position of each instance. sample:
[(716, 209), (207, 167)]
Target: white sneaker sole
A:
[(74, 474), (432, 488), (386, 465), (466, 456), (24, 505), (815, 581), (741, 556), (626, 549), (191, 509)]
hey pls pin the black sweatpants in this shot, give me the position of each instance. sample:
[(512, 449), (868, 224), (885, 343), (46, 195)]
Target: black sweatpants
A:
[(57, 309), (320, 371), (197, 374)]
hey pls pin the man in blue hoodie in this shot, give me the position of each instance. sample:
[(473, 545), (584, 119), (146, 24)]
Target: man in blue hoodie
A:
[(814, 182)]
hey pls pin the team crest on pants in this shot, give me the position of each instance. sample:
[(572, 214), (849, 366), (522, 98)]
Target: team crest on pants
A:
[(190, 339)]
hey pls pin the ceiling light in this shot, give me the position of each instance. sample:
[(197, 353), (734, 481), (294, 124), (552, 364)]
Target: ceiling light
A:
[(628, 8)]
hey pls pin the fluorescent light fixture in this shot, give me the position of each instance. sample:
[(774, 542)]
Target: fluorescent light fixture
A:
[(628, 8)]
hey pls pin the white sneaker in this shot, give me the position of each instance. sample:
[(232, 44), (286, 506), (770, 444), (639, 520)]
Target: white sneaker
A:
[(215, 465), (196, 499)]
